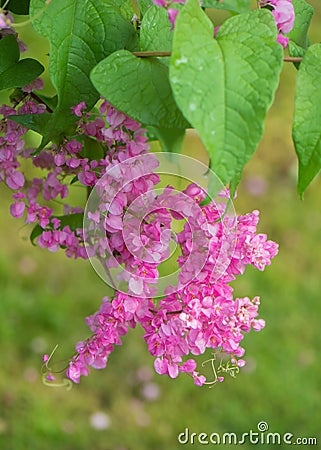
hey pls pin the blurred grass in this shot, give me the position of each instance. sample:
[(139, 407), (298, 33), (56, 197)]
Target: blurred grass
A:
[(45, 297)]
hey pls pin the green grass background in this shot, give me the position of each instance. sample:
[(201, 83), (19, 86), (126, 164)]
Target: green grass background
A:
[(44, 298)]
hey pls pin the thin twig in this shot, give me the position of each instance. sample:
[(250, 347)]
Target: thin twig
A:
[(165, 54), (292, 59), (152, 54)]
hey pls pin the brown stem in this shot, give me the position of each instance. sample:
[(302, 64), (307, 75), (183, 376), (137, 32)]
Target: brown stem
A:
[(164, 54), (292, 59), (38, 99), (152, 54)]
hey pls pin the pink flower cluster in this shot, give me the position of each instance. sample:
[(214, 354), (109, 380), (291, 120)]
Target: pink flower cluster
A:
[(189, 320)]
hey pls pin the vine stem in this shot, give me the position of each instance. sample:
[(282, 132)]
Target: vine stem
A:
[(164, 54)]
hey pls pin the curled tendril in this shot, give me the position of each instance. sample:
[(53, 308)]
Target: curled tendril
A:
[(48, 378)]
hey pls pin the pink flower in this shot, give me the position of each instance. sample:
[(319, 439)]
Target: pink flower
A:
[(172, 14), (75, 370), (282, 40), (195, 192), (283, 13), (199, 380), (74, 146), (6, 21), (77, 110), (36, 85), (15, 180), (17, 209), (94, 216)]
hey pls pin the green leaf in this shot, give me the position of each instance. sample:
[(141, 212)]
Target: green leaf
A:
[(303, 15), (126, 8), (140, 88), (35, 122), (236, 6), (20, 74), (81, 33), (225, 86), (306, 131), (74, 221), (74, 180), (155, 32), (15, 73), (36, 232), (93, 149), (296, 51), (9, 52), (17, 6), (144, 5), (171, 139), (17, 96)]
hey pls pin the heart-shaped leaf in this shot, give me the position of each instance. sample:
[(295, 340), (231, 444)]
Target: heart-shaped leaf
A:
[(15, 73), (225, 86), (140, 88)]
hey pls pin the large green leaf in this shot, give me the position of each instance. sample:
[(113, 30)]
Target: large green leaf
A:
[(155, 33), (81, 33), (307, 117), (15, 73), (236, 6), (224, 87), (303, 15), (140, 88)]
